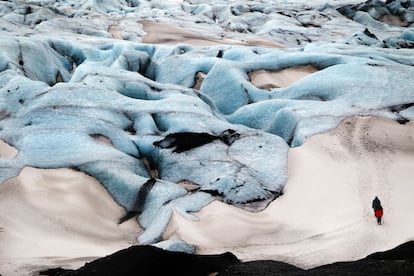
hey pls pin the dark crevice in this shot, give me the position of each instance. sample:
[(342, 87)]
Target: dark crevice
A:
[(289, 140), (67, 54), (131, 130), (143, 67), (402, 120), (28, 10), (154, 88), (247, 95), (214, 193), (309, 24), (129, 65), (75, 168), (369, 34), (259, 199), (58, 11), (157, 122), (284, 14), (184, 141), (314, 97), (150, 166), (20, 58), (132, 4), (400, 107), (397, 109), (139, 201), (375, 65)]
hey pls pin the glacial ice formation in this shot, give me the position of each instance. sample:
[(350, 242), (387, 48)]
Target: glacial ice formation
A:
[(83, 100), (289, 22)]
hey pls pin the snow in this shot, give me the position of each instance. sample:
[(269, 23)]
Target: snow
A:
[(79, 91), (55, 214), (7, 151), (322, 217)]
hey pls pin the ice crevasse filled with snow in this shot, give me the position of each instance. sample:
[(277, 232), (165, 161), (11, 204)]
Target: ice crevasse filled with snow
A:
[(73, 96)]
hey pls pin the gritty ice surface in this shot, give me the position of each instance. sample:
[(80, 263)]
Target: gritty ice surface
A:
[(79, 90), (292, 23)]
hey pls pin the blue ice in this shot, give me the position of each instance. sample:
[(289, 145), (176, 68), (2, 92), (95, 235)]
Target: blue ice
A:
[(99, 107)]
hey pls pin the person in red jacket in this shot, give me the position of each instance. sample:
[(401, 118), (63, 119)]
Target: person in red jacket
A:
[(378, 210)]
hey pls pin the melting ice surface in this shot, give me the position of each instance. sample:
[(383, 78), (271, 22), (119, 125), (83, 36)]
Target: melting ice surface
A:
[(96, 104)]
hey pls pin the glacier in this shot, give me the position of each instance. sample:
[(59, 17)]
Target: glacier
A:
[(81, 99)]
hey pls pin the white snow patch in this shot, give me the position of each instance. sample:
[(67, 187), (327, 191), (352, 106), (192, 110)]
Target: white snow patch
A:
[(265, 79), (7, 151), (58, 217)]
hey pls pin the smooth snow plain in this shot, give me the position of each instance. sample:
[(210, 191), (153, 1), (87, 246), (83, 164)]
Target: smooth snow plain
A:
[(102, 98)]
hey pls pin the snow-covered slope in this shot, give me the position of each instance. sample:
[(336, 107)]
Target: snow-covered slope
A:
[(57, 217), (325, 213), (78, 90)]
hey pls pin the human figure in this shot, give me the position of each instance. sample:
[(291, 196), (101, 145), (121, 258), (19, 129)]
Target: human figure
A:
[(378, 211)]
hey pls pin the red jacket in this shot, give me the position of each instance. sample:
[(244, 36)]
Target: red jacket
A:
[(379, 213)]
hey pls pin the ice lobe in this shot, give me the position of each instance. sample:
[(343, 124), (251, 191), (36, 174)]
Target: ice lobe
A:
[(102, 96)]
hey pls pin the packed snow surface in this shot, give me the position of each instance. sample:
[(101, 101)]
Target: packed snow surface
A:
[(323, 217), (79, 90)]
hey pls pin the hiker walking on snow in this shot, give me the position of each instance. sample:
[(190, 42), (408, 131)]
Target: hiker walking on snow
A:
[(378, 211)]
